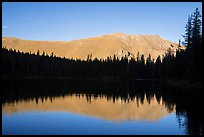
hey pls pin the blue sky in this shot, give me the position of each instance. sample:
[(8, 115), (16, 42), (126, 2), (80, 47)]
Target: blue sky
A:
[(65, 21)]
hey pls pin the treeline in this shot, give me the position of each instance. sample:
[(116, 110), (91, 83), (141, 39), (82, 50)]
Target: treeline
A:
[(186, 64), (18, 64)]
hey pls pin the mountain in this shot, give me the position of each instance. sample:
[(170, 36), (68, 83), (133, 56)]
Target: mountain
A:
[(100, 47)]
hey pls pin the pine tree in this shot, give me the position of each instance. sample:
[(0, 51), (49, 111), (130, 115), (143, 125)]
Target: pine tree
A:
[(188, 35), (196, 46), (138, 56), (38, 53), (196, 29), (158, 67)]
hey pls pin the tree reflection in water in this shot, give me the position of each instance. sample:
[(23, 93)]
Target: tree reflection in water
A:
[(187, 103)]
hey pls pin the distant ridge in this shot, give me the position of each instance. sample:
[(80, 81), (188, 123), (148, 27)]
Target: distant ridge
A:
[(100, 47)]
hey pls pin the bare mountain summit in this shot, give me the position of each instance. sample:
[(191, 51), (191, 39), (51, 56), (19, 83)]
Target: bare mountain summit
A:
[(99, 47)]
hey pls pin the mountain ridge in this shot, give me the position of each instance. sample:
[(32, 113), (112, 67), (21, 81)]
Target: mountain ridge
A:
[(99, 47)]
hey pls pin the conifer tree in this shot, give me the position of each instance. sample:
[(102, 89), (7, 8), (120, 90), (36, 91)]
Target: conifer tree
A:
[(188, 34)]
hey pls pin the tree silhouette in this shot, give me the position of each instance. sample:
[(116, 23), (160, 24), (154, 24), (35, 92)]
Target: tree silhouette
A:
[(188, 34)]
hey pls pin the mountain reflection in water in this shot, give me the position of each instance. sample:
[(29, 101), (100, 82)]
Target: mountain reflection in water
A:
[(110, 100), (98, 107)]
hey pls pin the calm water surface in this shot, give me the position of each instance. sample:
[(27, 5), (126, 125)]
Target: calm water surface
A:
[(78, 107)]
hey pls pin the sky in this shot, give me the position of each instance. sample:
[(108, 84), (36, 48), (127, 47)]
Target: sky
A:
[(64, 21)]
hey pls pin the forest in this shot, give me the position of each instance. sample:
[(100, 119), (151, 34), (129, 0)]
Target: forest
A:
[(184, 65)]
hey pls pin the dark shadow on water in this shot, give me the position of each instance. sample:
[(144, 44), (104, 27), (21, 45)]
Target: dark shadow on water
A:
[(188, 103)]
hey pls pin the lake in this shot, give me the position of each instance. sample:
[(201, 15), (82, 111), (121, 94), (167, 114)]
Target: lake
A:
[(94, 107)]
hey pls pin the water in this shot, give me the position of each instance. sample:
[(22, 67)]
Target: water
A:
[(71, 107)]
